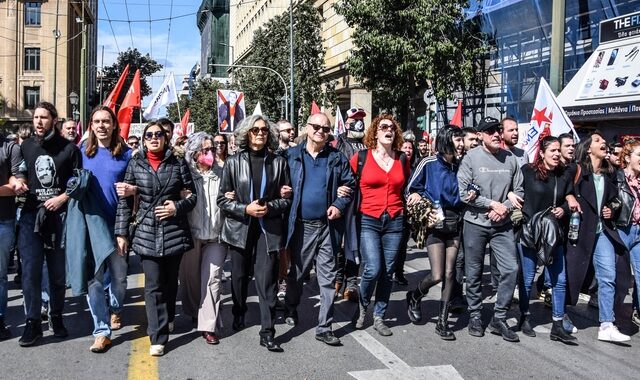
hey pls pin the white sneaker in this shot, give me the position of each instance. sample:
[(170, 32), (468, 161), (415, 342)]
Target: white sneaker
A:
[(171, 326), (611, 334), (156, 350), (568, 326)]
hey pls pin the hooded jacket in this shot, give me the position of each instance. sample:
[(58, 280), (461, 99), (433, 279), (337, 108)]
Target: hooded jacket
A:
[(206, 219)]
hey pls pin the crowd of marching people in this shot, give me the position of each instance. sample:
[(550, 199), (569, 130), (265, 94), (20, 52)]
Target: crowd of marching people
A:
[(344, 207)]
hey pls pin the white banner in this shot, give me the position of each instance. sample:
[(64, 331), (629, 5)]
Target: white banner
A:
[(548, 119), (166, 94)]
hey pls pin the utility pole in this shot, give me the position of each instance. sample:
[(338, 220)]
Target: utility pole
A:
[(557, 46), (83, 70), (291, 110), (56, 35)]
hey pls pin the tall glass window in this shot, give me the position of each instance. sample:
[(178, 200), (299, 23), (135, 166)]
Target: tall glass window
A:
[(31, 97), (32, 59), (32, 13)]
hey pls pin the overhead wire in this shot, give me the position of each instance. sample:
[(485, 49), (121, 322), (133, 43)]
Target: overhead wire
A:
[(166, 54), (126, 6), (111, 26)]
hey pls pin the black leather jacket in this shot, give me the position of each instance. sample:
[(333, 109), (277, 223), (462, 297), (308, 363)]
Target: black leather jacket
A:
[(236, 176), (627, 200)]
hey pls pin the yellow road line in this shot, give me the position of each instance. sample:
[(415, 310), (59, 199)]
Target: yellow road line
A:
[(142, 366)]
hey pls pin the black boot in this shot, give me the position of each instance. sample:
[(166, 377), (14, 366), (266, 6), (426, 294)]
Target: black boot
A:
[(559, 334), (442, 327), (414, 310), (525, 326)]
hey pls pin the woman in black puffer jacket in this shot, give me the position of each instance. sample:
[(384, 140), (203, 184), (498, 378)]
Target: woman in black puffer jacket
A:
[(162, 234)]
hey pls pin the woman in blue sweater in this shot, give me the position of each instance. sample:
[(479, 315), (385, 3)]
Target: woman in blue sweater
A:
[(435, 178)]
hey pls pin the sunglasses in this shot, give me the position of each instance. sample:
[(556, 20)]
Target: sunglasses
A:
[(288, 130), (387, 127), (218, 143), (256, 130), (134, 143), (316, 127), (493, 130), (206, 150), (157, 134)]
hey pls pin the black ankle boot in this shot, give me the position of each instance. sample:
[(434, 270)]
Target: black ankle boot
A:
[(442, 327), (559, 334), (413, 305)]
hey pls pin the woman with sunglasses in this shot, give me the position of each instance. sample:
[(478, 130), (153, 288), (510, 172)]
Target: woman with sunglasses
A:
[(160, 233), (546, 187), (220, 146), (254, 227), (201, 268), (436, 179), (598, 240), (383, 171)]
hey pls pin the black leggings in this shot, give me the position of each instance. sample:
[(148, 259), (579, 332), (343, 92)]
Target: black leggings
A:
[(443, 251)]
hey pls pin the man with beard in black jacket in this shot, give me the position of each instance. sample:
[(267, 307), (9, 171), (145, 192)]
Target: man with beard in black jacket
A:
[(50, 160)]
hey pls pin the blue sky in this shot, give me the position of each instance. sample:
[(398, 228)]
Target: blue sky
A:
[(183, 39)]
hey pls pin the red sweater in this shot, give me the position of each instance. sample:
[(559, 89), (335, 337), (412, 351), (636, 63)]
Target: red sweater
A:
[(380, 190), (155, 159)]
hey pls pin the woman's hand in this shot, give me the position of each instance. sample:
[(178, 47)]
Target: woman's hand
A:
[(471, 195), (167, 210), (573, 203), (185, 193), (413, 199), (230, 195), (123, 245), (286, 192), (125, 190), (255, 210), (558, 212), (516, 201), (606, 213), (344, 191)]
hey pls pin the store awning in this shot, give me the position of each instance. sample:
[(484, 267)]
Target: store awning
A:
[(607, 86)]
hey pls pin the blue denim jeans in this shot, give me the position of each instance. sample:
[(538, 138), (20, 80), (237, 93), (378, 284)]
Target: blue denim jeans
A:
[(631, 237), (604, 263), (100, 310), (33, 254), (556, 276), (379, 244), (6, 239)]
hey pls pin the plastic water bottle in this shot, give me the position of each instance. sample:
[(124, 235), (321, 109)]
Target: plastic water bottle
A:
[(574, 227), (440, 215)]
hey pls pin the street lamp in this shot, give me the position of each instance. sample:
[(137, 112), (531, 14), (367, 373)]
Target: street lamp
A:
[(73, 100)]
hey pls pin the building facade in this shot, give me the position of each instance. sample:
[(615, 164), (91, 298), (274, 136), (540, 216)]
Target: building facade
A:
[(213, 23), (40, 55)]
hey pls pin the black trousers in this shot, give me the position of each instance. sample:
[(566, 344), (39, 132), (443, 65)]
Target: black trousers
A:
[(255, 259), (160, 291)]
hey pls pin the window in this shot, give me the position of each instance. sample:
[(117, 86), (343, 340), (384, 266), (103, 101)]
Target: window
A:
[(31, 97), (32, 59), (32, 13)]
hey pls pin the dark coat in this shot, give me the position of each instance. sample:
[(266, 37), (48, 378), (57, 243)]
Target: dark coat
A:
[(338, 174), (579, 257), (154, 237), (236, 176), (89, 238)]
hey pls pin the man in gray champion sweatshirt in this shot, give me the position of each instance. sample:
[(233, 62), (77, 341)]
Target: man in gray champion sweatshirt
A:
[(496, 173)]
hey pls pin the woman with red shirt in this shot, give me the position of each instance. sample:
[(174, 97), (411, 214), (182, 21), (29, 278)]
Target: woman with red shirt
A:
[(381, 215)]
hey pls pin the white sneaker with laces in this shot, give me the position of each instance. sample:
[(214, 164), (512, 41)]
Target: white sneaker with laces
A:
[(156, 350), (611, 334), (568, 326)]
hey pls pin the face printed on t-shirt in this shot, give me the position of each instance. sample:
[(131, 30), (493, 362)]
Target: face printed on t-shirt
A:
[(45, 171)]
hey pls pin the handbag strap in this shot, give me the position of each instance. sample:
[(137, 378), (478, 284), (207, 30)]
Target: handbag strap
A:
[(555, 191)]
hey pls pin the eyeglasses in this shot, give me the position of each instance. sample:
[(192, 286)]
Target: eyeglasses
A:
[(206, 150), (288, 130), (493, 130), (218, 143), (387, 127), (134, 143), (316, 127), (256, 130), (157, 134)]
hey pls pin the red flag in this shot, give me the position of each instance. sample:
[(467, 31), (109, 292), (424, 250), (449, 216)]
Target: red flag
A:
[(457, 116), (131, 100), (184, 122), (111, 100), (314, 108)]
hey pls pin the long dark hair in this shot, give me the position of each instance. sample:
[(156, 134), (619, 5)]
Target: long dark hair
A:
[(583, 158), (162, 130), (117, 145), (538, 164)]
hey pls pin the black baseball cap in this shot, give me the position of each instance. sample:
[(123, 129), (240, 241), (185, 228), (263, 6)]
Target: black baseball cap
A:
[(488, 123)]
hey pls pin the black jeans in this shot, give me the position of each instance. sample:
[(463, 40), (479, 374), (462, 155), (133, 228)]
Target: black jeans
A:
[(265, 268), (160, 291)]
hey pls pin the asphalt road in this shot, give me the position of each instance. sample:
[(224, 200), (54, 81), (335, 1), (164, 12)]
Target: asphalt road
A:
[(412, 352)]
